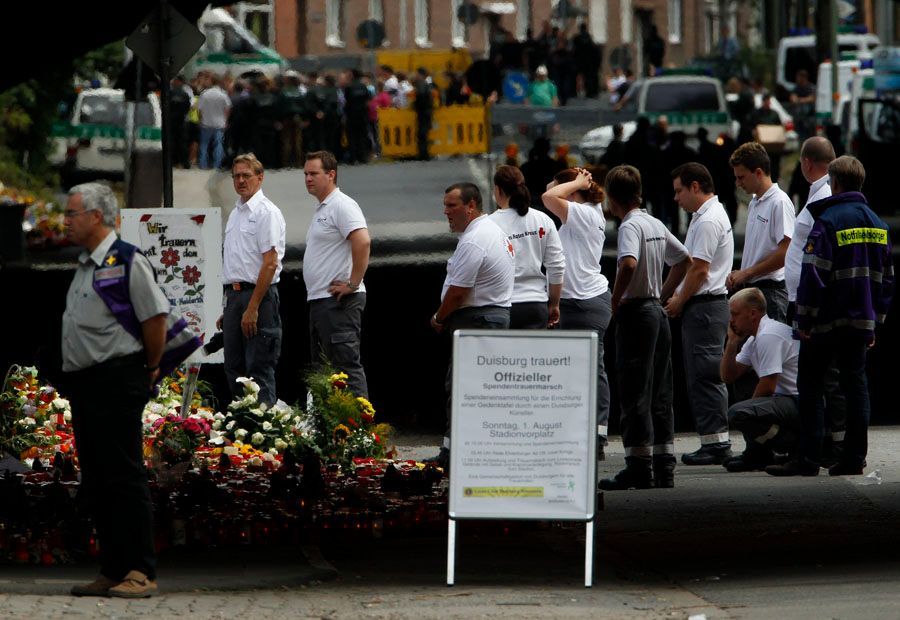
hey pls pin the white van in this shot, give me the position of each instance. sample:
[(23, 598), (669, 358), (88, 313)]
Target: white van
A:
[(231, 49), (846, 70), (91, 144), (799, 52)]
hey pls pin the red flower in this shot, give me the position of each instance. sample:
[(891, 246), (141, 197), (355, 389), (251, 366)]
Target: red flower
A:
[(170, 257), (190, 275)]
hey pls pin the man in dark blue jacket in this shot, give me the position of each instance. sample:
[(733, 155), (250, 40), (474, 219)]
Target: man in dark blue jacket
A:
[(846, 285)]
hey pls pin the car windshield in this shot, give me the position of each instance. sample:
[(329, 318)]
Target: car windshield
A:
[(681, 97), (106, 110)]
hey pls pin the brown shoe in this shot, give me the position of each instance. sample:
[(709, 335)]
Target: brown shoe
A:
[(98, 587), (134, 585)]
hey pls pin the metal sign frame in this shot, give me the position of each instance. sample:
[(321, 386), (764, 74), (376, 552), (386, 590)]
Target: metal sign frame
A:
[(537, 343)]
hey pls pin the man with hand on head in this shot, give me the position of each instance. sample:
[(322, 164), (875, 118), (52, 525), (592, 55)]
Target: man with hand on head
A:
[(252, 255), (643, 339), (335, 261), (478, 289), (769, 420)]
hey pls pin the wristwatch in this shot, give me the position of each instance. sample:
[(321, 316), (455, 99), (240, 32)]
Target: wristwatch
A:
[(351, 286)]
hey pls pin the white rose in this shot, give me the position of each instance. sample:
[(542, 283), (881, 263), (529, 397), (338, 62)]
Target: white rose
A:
[(263, 407), (268, 457), (240, 433), (217, 425), (286, 417), (219, 416), (231, 450), (157, 408), (280, 444), (49, 424), (67, 416), (60, 403), (257, 439), (257, 412), (230, 425), (273, 451), (267, 426), (28, 422), (256, 461)]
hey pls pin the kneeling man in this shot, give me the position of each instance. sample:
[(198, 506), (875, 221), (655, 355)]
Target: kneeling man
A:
[(770, 420)]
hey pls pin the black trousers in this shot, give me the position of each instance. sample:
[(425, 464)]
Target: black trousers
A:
[(254, 357), (335, 333), (644, 365), (107, 402)]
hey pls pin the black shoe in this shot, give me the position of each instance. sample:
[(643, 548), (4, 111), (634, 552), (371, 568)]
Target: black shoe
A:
[(441, 459), (627, 479), (706, 455), (846, 469), (795, 467), (601, 452), (832, 453), (664, 479), (740, 464)]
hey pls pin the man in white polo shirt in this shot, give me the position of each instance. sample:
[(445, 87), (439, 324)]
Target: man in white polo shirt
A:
[(214, 105), (252, 255), (815, 155), (643, 339), (334, 263), (770, 226), (701, 302), (477, 292), (770, 420)]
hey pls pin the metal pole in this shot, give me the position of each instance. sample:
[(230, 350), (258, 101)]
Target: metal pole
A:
[(164, 88), (835, 62), (451, 551), (589, 554), (130, 131)]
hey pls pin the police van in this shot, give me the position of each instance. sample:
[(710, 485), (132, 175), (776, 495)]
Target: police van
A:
[(687, 101), (798, 52), (91, 143), (231, 49)]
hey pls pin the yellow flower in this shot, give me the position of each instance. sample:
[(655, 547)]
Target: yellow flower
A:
[(341, 432)]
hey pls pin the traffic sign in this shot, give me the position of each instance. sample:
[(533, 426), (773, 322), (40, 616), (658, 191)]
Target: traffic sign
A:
[(182, 40)]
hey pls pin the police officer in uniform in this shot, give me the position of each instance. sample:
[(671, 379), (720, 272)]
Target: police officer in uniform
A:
[(116, 344), (356, 112), (424, 106), (478, 289), (643, 339), (701, 302), (292, 111)]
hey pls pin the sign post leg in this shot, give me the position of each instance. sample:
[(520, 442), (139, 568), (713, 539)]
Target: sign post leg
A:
[(451, 551), (589, 554)]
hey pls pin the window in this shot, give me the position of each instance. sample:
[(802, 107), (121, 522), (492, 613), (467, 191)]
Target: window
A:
[(376, 10), (423, 23), (625, 19), (598, 21), (106, 110), (675, 21), (681, 96), (459, 32), (334, 23)]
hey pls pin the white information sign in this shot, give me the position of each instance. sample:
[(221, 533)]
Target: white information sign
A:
[(523, 433), (185, 248)]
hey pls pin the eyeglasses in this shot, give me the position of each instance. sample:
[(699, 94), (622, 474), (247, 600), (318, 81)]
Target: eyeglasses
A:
[(243, 176), (70, 214)]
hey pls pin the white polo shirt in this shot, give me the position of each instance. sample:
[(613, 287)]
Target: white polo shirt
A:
[(710, 239), (793, 259), (253, 228), (770, 218), (536, 243), (582, 239), (644, 238), (213, 105), (484, 262), (328, 256), (773, 351)]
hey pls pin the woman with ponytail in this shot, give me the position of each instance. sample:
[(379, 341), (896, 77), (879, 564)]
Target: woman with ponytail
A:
[(575, 199), (536, 243)]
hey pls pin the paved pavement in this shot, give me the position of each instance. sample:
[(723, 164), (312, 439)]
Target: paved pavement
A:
[(719, 545)]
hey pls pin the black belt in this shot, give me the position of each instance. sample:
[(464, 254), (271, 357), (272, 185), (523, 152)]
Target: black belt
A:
[(767, 284), (638, 300), (240, 286), (696, 299)]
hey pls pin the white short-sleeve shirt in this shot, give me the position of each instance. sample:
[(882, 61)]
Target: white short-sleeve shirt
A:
[(536, 243), (253, 228), (770, 218), (710, 239), (793, 259), (213, 105), (773, 351), (484, 262), (328, 254), (582, 239), (644, 238)]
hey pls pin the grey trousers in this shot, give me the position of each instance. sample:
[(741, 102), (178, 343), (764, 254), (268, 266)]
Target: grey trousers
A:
[(644, 371), (592, 314), (529, 315), (335, 328), (254, 357), (769, 424), (482, 317), (776, 298), (704, 325)]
